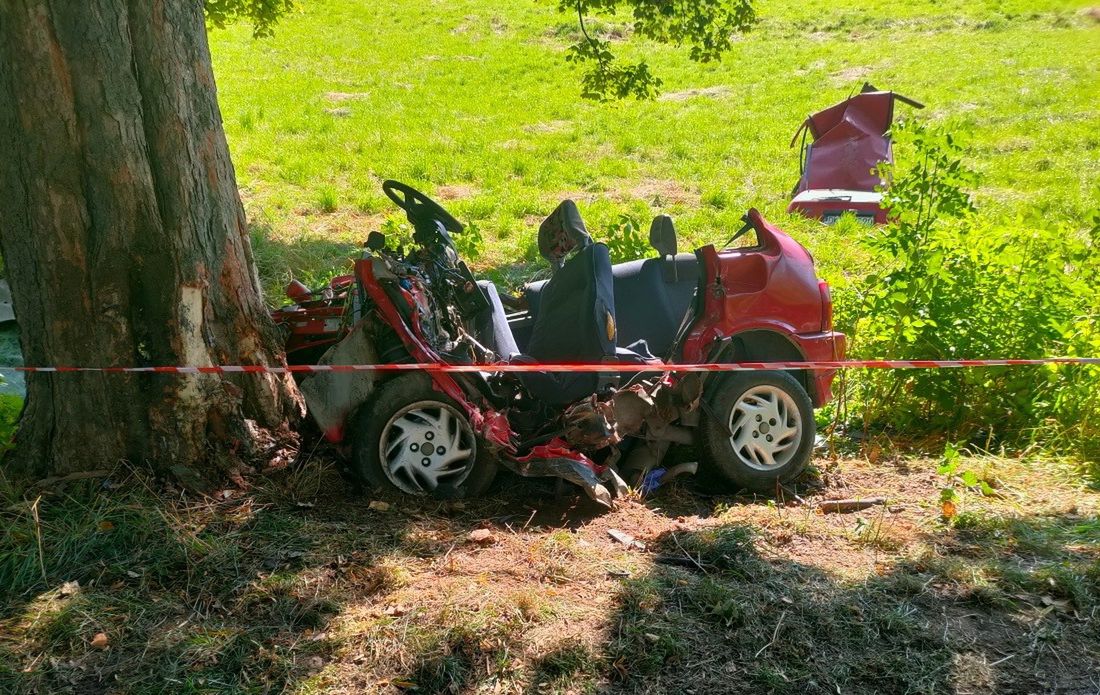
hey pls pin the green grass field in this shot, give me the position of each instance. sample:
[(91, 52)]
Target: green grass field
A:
[(473, 102)]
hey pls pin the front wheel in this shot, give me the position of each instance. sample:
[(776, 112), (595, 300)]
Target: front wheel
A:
[(415, 440), (759, 430)]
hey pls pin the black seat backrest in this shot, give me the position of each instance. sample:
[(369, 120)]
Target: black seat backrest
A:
[(562, 232), (576, 317), (662, 235), (649, 304)]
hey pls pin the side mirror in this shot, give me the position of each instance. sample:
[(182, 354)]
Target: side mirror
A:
[(662, 235)]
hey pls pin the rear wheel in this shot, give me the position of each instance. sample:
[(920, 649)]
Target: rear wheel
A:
[(413, 439), (759, 430)]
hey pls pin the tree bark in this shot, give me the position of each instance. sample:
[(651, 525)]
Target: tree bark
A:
[(125, 241)]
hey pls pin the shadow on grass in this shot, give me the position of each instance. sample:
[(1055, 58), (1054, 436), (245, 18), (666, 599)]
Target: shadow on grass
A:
[(739, 621), (311, 259), (190, 595), (712, 614), (240, 595)]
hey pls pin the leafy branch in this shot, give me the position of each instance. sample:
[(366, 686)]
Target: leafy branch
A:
[(263, 14), (707, 26)]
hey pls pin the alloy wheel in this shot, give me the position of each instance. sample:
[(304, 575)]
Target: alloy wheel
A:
[(425, 445), (765, 427)]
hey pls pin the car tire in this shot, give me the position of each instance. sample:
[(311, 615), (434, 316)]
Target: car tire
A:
[(407, 417), (757, 430)]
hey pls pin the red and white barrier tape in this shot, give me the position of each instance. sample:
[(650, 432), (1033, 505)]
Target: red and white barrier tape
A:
[(610, 367)]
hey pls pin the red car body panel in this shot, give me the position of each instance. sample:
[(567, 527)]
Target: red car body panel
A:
[(849, 141), (313, 327), (770, 287), (315, 318)]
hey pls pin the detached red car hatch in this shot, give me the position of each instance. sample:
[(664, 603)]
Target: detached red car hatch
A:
[(838, 165)]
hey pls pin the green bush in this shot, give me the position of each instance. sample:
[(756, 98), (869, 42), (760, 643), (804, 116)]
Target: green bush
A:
[(469, 242), (957, 285), (625, 240), (10, 408)]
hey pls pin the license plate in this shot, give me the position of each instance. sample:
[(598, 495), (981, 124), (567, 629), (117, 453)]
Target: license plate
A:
[(864, 218)]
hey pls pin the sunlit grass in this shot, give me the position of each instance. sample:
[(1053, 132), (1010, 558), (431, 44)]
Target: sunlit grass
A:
[(473, 102)]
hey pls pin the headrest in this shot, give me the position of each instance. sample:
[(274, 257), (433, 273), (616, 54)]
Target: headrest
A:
[(562, 232), (662, 235)]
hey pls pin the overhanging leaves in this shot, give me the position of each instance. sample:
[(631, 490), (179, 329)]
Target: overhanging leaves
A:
[(706, 26), (263, 14)]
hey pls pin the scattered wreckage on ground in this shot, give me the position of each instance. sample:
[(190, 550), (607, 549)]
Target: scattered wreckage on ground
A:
[(838, 166), (447, 433)]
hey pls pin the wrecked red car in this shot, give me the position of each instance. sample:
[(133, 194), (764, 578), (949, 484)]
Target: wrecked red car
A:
[(842, 147), (447, 433)]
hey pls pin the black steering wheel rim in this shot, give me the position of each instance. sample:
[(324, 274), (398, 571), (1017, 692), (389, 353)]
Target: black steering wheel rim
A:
[(419, 208)]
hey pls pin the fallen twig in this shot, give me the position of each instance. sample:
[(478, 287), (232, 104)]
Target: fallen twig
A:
[(998, 661), (679, 561), (852, 505), (81, 475), (786, 490), (775, 635), (688, 555), (528, 522), (38, 536)]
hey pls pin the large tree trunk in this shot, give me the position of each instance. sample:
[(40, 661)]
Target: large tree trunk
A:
[(124, 240)]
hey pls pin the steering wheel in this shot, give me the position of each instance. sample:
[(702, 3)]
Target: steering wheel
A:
[(420, 208)]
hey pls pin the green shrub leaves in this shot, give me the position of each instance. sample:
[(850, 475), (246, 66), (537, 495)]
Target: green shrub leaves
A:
[(955, 285)]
